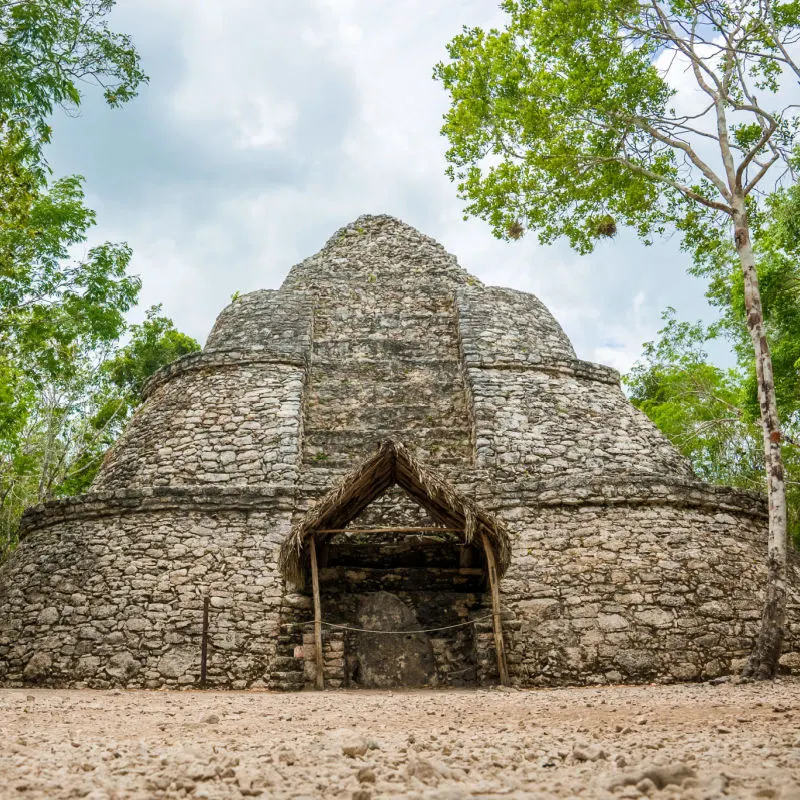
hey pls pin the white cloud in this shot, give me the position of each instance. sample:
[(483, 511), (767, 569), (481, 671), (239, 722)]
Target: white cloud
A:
[(267, 125)]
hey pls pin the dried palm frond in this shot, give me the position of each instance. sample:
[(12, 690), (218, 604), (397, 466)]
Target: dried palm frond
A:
[(390, 464)]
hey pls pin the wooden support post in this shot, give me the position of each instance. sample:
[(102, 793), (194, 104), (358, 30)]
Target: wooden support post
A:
[(204, 645), (497, 624), (320, 680)]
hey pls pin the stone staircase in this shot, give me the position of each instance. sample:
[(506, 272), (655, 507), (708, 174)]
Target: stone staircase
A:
[(287, 669)]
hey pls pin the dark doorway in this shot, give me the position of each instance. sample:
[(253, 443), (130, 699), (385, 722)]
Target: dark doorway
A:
[(424, 590)]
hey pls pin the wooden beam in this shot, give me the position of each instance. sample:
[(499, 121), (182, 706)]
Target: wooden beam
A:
[(390, 530), (497, 624), (320, 677)]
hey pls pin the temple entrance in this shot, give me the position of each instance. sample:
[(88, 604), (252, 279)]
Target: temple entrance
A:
[(410, 604)]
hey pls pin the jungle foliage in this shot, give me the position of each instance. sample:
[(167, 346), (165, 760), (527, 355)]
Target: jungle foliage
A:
[(68, 381)]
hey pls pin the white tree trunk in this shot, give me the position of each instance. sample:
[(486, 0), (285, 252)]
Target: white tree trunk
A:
[(763, 662)]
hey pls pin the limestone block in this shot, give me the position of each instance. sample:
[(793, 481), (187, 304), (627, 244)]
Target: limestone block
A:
[(637, 661), (38, 667), (791, 662), (657, 617), (716, 609), (122, 666), (612, 622), (47, 616)]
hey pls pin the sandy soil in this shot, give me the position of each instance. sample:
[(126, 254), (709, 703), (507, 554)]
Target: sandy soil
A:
[(692, 741)]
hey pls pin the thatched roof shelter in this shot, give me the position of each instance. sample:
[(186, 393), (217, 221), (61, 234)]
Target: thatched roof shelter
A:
[(391, 464)]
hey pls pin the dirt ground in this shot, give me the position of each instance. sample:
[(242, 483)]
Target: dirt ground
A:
[(690, 741)]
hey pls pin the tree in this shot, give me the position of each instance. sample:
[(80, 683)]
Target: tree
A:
[(698, 405), (63, 414), (566, 123), (49, 50), (60, 317), (708, 412), (712, 415)]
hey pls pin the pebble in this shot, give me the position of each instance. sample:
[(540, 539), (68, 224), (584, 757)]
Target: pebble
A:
[(366, 775), (593, 752), (660, 775), (423, 770), (352, 743), (346, 745)]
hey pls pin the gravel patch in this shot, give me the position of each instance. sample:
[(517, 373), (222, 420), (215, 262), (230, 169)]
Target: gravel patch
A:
[(696, 741)]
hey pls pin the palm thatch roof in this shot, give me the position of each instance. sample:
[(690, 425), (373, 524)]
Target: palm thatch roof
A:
[(391, 464)]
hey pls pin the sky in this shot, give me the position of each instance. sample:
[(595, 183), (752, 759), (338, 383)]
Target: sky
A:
[(269, 124)]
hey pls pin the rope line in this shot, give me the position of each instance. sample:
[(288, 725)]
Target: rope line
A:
[(402, 633)]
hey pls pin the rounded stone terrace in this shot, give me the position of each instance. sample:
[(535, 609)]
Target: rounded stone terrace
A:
[(616, 563)]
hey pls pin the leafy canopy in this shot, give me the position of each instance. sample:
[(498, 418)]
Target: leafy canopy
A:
[(51, 305), (566, 119), (50, 50)]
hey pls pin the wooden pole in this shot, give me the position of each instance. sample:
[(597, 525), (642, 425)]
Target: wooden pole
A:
[(204, 644), (320, 679), (497, 624)]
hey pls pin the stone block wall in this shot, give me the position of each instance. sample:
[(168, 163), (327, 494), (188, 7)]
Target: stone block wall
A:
[(637, 583), (632, 590), (536, 408), (275, 321), (561, 423), (385, 357), (101, 598), (505, 326), (218, 421)]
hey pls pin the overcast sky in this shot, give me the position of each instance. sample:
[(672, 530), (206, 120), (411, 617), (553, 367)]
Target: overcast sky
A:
[(268, 124)]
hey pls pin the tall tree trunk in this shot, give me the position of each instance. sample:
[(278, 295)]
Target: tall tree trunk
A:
[(763, 662)]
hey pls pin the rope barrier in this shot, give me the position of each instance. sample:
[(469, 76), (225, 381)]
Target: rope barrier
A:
[(403, 633)]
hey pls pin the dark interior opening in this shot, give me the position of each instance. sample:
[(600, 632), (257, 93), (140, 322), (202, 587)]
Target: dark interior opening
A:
[(404, 581)]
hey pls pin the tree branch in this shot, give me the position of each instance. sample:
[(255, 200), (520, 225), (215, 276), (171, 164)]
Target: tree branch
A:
[(683, 189)]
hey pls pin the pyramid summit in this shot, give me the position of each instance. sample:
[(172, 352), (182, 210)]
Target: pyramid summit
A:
[(430, 455)]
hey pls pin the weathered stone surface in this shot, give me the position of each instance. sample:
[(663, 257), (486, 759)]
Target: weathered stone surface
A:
[(624, 566), (385, 661), (47, 616), (121, 666), (38, 667), (176, 663)]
